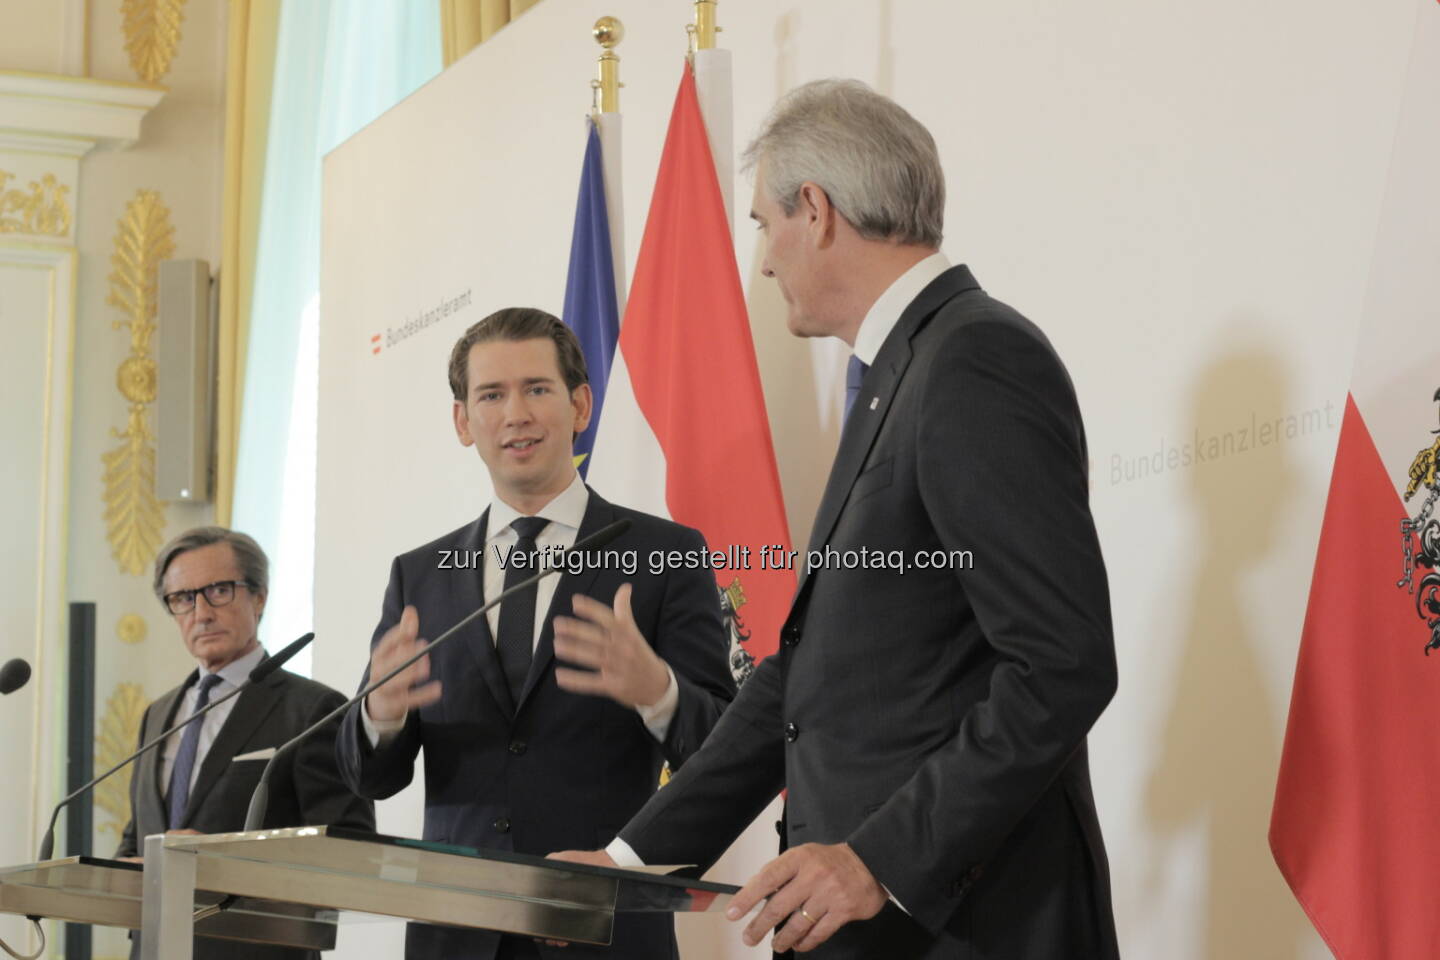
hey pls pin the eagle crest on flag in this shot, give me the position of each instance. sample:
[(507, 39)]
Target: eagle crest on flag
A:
[(732, 598), (1423, 531)]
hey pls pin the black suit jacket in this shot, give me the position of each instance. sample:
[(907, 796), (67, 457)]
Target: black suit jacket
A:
[(305, 791), (557, 771), (936, 718)]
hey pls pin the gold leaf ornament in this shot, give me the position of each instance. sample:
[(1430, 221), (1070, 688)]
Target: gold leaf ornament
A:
[(136, 379), (131, 628), (152, 35), (39, 211), (134, 518), (119, 734), (143, 237)]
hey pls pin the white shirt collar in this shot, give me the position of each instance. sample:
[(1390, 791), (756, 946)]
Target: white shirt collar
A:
[(568, 508), (235, 672), (886, 310)]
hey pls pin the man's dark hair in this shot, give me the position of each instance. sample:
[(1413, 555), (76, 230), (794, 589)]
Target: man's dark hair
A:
[(253, 564), (518, 323)]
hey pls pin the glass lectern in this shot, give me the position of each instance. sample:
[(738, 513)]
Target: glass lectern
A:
[(291, 887)]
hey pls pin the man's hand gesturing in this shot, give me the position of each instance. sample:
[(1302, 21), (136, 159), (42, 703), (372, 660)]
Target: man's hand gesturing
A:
[(619, 663), (412, 688)]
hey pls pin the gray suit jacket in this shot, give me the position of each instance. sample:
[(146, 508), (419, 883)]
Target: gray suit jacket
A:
[(935, 719), (305, 791)]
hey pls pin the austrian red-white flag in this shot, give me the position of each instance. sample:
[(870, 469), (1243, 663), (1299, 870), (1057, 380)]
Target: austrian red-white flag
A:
[(1356, 824), (685, 433)]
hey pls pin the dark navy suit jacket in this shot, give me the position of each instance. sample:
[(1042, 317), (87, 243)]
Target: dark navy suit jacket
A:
[(555, 771)]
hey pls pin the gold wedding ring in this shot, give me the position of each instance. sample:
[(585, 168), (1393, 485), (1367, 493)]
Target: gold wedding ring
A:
[(807, 916)]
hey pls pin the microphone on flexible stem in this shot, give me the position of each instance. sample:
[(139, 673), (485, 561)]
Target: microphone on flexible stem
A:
[(260, 799), (266, 667), (14, 675)]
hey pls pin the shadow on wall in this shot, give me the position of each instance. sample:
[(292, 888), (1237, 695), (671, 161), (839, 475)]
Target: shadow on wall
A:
[(1220, 746)]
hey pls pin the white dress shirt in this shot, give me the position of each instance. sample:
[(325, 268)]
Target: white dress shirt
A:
[(565, 513), (231, 676), (885, 312)]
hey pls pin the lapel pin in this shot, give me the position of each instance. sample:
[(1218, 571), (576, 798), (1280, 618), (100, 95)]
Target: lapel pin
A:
[(874, 402)]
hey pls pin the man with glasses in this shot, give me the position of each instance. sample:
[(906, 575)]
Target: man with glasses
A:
[(214, 583)]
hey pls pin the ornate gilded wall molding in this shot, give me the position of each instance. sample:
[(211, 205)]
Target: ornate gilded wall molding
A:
[(134, 518), (152, 34), (39, 211), (119, 733), (131, 628)]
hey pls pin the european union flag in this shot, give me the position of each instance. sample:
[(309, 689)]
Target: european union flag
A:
[(591, 309)]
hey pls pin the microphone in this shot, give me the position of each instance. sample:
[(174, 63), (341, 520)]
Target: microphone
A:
[(260, 799), (14, 675), (269, 665), (265, 668)]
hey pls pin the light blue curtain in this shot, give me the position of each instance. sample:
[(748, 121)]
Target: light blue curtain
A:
[(338, 65)]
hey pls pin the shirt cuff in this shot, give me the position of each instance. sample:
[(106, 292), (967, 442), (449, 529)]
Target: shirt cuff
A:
[(624, 855), (657, 716), (888, 895), (378, 732)]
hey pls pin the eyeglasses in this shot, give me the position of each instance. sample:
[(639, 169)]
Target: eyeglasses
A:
[(217, 594)]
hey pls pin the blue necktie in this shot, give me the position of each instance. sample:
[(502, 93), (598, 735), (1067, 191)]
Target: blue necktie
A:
[(179, 797), (854, 374), (515, 633)]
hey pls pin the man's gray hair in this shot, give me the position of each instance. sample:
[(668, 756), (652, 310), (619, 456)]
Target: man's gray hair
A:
[(876, 163), (254, 565)]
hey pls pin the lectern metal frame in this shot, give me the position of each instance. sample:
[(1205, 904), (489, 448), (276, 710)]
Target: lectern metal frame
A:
[(109, 893), (347, 870)]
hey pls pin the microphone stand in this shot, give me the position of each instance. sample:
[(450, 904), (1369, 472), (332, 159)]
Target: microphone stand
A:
[(260, 799), (262, 671)]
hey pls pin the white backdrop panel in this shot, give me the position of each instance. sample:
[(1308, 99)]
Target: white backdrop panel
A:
[(1184, 197)]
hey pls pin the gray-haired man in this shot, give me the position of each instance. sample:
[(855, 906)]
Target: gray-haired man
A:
[(927, 718), (213, 582)]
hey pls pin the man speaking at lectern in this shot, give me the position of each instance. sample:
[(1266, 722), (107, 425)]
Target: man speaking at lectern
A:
[(928, 716), (522, 754)]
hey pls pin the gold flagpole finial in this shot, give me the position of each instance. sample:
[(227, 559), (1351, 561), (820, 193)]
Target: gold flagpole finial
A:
[(703, 30), (608, 31)]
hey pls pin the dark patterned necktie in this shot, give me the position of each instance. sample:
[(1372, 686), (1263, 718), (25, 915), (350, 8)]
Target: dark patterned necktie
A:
[(179, 796), (515, 634), (854, 374)]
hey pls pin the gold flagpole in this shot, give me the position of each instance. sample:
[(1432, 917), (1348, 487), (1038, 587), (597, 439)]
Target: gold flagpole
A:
[(703, 30), (711, 68), (605, 90)]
